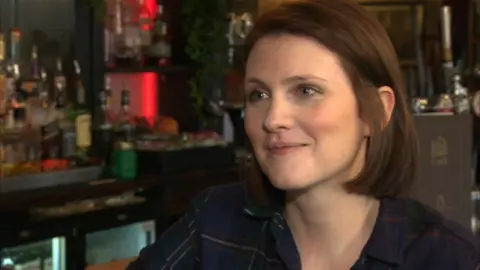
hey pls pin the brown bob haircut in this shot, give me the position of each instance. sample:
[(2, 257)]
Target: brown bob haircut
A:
[(369, 60)]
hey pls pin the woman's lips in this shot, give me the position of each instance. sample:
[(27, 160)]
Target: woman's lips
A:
[(284, 150)]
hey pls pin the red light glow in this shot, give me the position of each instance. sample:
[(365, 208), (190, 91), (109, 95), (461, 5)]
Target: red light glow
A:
[(149, 102), (151, 5)]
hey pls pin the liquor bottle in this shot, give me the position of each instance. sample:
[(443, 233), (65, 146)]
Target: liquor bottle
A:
[(35, 69), (104, 124), (59, 76), (119, 44), (40, 110), (31, 85), (46, 116), (21, 146), (103, 131), (145, 23), (34, 73), (108, 94), (124, 158), (83, 118), (127, 35), (15, 36), (159, 53), (125, 128), (66, 127)]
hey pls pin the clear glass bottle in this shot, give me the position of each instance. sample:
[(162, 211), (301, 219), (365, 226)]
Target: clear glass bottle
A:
[(41, 113), (124, 126), (145, 22), (31, 85), (59, 78), (66, 127), (160, 51), (127, 34)]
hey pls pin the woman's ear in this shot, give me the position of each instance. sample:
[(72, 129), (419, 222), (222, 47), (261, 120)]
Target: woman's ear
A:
[(387, 96)]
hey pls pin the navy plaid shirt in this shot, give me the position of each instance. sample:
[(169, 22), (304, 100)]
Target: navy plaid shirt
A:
[(223, 231)]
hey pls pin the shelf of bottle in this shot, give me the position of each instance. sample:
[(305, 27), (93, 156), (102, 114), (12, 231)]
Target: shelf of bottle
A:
[(157, 69)]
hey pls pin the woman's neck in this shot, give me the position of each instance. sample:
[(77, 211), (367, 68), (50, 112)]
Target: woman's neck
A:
[(330, 221)]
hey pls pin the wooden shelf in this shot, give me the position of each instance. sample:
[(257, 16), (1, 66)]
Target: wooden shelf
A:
[(158, 70)]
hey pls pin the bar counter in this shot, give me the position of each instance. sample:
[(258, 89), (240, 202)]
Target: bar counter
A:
[(166, 197)]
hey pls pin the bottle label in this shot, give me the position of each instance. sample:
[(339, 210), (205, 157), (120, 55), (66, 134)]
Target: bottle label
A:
[(83, 125)]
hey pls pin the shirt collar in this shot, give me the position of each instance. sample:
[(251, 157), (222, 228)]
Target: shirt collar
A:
[(388, 239)]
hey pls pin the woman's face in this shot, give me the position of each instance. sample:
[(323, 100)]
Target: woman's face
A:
[(301, 114)]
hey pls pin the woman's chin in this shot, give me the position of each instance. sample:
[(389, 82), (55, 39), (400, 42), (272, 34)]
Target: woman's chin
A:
[(290, 183)]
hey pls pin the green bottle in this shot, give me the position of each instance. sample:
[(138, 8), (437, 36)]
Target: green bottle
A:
[(124, 161)]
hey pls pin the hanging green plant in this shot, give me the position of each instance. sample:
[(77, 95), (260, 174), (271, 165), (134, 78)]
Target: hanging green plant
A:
[(204, 24)]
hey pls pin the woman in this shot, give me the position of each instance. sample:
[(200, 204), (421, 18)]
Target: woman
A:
[(334, 148)]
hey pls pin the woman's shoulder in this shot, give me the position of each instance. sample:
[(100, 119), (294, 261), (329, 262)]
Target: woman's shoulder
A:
[(221, 216), (210, 216), (219, 204), (429, 232), (224, 197)]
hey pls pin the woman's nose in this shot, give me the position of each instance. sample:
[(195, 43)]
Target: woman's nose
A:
[(278, 116)]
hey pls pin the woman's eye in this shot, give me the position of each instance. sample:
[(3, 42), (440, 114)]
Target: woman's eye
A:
[(256, 95), (308, 90)]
